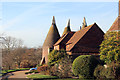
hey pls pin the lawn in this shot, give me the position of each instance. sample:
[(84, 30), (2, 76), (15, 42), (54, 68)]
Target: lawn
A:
[(48, 77), (73, 79), (42, 76)]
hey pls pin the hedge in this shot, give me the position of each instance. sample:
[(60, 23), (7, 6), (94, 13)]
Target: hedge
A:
[(84, 65)]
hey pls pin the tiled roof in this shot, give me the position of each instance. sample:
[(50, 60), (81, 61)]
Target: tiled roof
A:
[(82, 36), (52, 36), (76, 37), (115, 26), (64, 38)]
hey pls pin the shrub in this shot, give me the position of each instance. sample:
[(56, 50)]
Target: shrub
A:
[(63, 69), (35, 71), (109, 48), (38, 65), (42, 68), (56, 56), (108, 72), (118, 72), (83, 66), (102, 72), (54, 70), (98, 70)]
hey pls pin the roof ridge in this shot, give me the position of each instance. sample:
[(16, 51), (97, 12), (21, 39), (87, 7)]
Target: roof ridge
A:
[(65, 37), (88, 28)]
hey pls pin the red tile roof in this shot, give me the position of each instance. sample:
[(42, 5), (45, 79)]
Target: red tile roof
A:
[(76, 37), (82, 39), (64, 39), (116, 25)]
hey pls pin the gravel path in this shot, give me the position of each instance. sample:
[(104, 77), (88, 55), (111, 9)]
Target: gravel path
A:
[(18, 75)]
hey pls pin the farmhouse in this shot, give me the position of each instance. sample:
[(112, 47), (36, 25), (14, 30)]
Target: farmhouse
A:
[(86, 41)]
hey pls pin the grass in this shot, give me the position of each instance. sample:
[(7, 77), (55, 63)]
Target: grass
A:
[(64, 79), (73, 79), (42, 76), (12, 70), (3, 72), (48, 77)]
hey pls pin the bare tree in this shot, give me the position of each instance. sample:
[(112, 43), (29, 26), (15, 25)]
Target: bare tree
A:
[(14, 54), (32, 57), (38, 55), (7, 62), (11, 50), (17, 55), (11, 43)]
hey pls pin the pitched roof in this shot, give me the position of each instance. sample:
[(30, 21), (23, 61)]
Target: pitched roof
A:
[(115, 26), (52, 36), (78, 36), (67, 29), (64, 38)]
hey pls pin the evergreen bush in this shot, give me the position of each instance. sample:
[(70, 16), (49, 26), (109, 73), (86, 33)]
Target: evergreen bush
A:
[(63, 69), (108, 73), (56, 56), (84, 65), (98, 71)]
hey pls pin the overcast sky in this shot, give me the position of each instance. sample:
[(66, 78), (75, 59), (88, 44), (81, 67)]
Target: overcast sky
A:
[(30, 21)]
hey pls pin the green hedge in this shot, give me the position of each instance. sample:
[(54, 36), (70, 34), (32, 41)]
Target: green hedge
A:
[(102, 72), (84, 65)]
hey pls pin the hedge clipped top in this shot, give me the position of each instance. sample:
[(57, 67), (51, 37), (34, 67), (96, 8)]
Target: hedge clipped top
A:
[(83, 66)]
